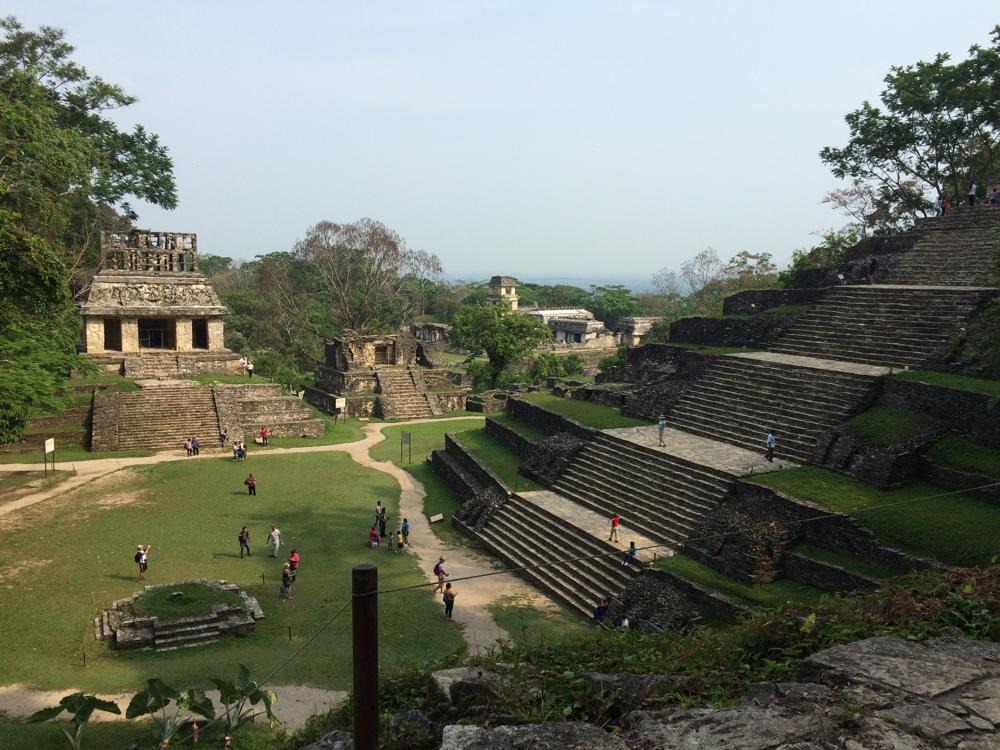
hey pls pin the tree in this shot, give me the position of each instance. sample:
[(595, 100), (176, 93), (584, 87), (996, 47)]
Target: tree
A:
[(747, 270), (611, 303), (359, 275), (701, 270), (503, 335), (938, 130)]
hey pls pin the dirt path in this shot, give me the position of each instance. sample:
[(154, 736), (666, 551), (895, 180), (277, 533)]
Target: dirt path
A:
[(297, 702)]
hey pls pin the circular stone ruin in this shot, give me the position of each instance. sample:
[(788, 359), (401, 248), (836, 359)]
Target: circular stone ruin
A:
[(169, 616)]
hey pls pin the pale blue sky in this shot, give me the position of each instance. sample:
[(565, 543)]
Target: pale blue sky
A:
[(531, 138)]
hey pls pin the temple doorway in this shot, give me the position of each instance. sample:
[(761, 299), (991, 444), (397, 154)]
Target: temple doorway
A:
[(112, 335), (199, 333), (157, 333)]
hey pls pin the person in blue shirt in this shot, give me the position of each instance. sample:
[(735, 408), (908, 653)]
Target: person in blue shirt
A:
[(661, 425), (770, 443), (630, 555)]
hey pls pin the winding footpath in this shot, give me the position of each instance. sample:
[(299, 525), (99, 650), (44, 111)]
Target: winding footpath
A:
[(299, 702)]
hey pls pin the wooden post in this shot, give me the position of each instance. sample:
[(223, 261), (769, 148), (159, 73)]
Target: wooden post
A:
[(364, 584)]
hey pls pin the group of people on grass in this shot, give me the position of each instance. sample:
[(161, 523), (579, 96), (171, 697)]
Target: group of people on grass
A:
[(289, 570), (378, 532), (192, 446), (247, 366)]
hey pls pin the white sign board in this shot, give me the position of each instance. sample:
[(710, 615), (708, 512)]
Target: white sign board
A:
[(437, 517), (340, 403), (50, 446)]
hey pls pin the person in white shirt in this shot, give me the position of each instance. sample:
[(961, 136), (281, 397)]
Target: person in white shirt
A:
[(972, 195), (274, 540)]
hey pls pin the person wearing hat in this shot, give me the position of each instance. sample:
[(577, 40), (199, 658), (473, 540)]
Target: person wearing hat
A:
[(441, 572), (661, 425)]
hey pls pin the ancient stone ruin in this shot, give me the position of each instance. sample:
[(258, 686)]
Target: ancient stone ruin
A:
[(150, 313), (119, 626)]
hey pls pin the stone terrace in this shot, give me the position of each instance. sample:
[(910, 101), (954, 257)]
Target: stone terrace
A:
[(956, 249)]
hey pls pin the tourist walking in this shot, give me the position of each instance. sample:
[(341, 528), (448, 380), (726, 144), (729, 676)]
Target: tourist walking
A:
[(142, 559), (661, 425), (405, 528), (244, 539), (378, 511), (274, 540), (382, 519), (264, 434), (615, 520), (946, 206), (187, 447), (769, 443), (630, 554), (972, 195), (441, 572), (293, 564), (195, 446), (373, 538), (993, 197), (399, 540), (449, 600), (243, 451), (249, 370), (285, 591), (251, 483)]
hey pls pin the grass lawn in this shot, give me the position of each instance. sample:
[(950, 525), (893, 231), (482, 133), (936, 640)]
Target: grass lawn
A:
[(343, 430), (503, 461), (955, 529), (768, 595), (197, 600), (882, 426), (963, 454), (527, 430), (593, 415), (63, 559), (66, 454), (526, 622), (440, 498), (949, 380), (852, 564)]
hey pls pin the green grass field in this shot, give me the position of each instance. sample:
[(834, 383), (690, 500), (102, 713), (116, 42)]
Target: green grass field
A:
[(62, 559), (526, 622), (882, 426), (768, 595), (949, 380), (439, 498), (593, 415), (920, 518), (967, 456), (503, 461)]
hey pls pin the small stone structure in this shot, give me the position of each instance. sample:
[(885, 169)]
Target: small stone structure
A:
[(576, 327), (388, 376), (115, 624), (149, 299), (503, 289), (431, 334), (631, 330)]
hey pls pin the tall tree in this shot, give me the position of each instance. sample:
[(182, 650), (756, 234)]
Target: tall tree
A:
[(503, 335), (610, 303), (937, 130)]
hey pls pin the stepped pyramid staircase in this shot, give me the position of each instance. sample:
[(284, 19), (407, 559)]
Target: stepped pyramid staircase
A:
[(739, 400), (522, 534), (400, 396), (663, 496), (164, 415), (956, 249)]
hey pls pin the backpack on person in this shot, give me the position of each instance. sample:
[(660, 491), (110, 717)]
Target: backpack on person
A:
[(138, 557), (437, 569)]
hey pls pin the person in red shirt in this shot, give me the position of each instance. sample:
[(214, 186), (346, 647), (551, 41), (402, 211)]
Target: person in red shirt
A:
[(373, 537), (615, 520), (293, 564), (263, 436)]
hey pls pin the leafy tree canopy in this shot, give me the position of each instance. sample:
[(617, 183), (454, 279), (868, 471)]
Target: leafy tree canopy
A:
[(935, 131), (502, 335)]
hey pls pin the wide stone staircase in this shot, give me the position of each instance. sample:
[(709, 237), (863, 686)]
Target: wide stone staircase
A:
[(882, 325), (399, 395), (150, 364), (659, 495), (523, 534), (264, 405), (739, 400), (957, 249), (162, 416)]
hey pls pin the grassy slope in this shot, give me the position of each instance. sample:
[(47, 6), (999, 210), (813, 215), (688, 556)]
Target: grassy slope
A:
[(954, 528), (439, 498), (768, 595), (527, 623), (949, 380), (845, 561), (965, 455), (525, 429), (882, 426), (191, 513), (594, 415), (503, 461)]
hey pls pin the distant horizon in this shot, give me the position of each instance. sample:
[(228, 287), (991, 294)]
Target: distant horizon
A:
[(633, 283)]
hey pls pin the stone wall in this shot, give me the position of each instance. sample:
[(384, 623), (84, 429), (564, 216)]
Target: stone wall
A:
[(488, 402), (657, 600), (974, 415), (823, 575), (546, 420), (886, 467), (445, 402), (854, 270), (479, 471), (951, 478), (104, 422), (663, 374), (614, 398), (805, 522), (753, 301), (511, 438), (754, 331)]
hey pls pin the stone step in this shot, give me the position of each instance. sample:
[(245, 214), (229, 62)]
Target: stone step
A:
[(608, 465)]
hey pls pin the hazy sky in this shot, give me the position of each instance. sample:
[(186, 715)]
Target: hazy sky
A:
[(530, 138)]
